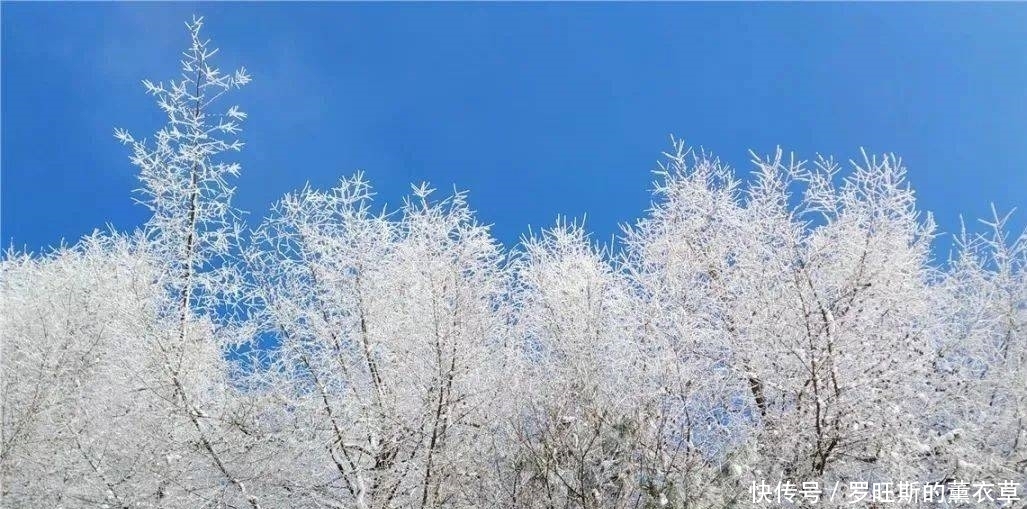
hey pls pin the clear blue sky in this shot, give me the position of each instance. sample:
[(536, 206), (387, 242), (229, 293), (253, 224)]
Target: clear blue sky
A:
[(538, 110)]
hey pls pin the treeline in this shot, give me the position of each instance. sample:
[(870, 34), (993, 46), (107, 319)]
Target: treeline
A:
[(790, 325)]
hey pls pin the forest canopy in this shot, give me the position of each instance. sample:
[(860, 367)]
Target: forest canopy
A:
[(788, 324)]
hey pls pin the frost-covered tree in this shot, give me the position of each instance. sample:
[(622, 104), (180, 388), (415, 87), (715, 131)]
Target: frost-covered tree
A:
[(978, 421), (608, 410), (389, 329), (578, 418), (192, 234), (77, 428), (817, 309)]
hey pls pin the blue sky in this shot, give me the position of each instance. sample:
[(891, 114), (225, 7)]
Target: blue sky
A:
[(538, 110)]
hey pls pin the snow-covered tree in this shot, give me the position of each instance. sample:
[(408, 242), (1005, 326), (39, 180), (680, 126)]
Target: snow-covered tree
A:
[(77, 429), (389, 329), (979, 358), (192, 235)]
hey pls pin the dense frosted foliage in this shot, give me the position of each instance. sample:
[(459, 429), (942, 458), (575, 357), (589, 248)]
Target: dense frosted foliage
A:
[(784, 324)]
